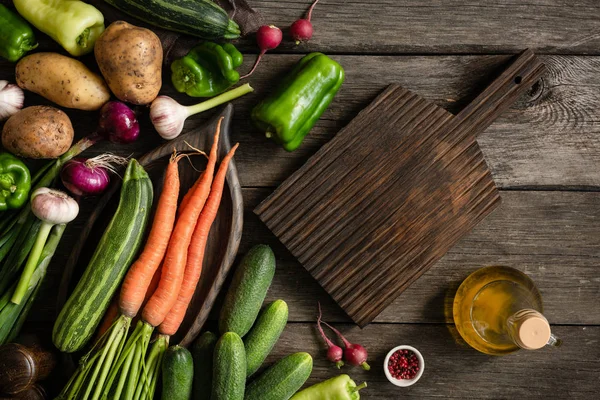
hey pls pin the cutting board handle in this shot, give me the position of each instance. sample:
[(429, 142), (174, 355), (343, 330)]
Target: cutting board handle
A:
[(500, 94)]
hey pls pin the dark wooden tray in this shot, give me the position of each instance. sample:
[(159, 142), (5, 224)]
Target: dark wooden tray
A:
[(225, 234), (392, 192)]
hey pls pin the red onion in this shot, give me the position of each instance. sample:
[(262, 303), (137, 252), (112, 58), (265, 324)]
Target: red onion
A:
[(89, 177), (118, 123)]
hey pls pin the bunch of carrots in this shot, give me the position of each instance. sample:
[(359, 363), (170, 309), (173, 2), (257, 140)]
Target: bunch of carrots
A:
[(162, 281)]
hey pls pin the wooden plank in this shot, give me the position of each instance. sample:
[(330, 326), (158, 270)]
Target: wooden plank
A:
[(548, 139), (454, 370), (552, 236), (439, 26)]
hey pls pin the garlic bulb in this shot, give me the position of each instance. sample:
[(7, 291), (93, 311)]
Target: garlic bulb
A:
[(168, 116), (53, 206), (11, 99)]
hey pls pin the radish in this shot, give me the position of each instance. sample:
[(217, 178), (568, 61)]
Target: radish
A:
[(334, 352), (355, 354), (302, 29), (268, 37)]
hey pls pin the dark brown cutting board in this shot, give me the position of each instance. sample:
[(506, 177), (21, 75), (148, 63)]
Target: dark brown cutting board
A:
[(392, 192)]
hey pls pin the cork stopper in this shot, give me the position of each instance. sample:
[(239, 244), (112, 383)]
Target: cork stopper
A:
[(531, 330)]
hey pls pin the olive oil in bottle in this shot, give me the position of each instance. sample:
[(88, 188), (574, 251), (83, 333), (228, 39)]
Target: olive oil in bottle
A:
[(498, 310)]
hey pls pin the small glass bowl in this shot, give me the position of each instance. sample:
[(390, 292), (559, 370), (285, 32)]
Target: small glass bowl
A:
[(404, 382)]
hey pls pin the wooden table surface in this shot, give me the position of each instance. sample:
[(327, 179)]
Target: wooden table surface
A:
[(544, 154)]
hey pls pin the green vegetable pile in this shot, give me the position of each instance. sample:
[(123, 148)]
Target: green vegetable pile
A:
[(27, 243)]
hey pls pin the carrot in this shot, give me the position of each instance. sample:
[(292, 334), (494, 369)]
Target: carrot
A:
[(135, 285), (109, 317), (175, 260), (195, 253)]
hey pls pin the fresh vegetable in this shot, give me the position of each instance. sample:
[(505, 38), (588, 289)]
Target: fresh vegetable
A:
[(207, 70), (202, 353), (168, 116), (15, 182), (291, 111), (281, 380), (90, 177), (130, 59), (118, 123), (177, 374), (229, 368), (342, 387), (11, 99), (52, 207), (169, 289), (268, 37), (75, 25), (354, 354), (13, 315), (334, 352), (38, 132), (195, 251), (201, 18), (62, 80), (17, 239), (248, 290), (120, 242), (302, 29), (16, 37), (264, 334)]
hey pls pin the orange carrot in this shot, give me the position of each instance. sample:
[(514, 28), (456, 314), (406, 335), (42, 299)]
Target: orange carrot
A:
[(195, 256), (140, 274), (113, 310), (175, 260), (109, 317)]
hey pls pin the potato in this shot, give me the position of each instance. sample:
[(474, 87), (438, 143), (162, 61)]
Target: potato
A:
[(130, 59), (62, 80), (38, 132)]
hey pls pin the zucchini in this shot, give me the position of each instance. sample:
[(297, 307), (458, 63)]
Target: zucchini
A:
[(264, 334), (115, 252), (282, 380), (202, 352), (201, 18), (177, 374), (229, 368), (248, 289)]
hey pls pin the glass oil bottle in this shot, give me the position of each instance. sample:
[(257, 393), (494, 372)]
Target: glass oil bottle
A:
[(498, 310)]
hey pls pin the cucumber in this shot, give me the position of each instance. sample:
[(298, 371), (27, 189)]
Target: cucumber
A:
[(282, 380), (202, 352), (248, 289), (115, 252), (264, 334), (229, 368), (177, 374), (201, 18)]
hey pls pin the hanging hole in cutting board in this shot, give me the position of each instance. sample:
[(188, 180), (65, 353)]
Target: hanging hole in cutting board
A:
[(518, 80)]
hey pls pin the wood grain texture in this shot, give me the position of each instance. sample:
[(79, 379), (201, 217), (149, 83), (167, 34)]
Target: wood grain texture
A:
[(225, 233), (391, 193), (455, 371)]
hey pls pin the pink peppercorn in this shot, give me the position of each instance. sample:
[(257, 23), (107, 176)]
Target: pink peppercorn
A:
[(403, 364)]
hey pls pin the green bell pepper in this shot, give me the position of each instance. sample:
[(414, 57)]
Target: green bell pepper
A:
[(339, 388), (292, 110), (75, 25), (207, 70), (16, 37), (15, 182)]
